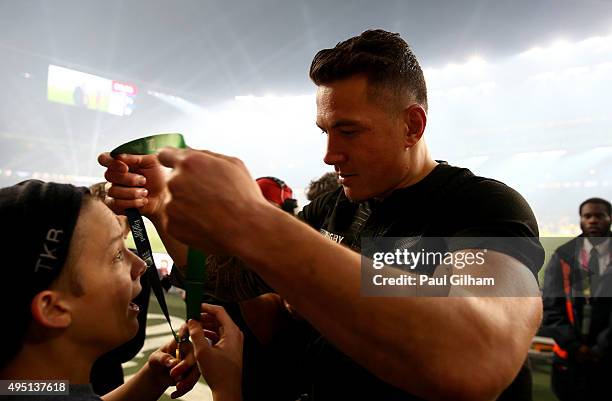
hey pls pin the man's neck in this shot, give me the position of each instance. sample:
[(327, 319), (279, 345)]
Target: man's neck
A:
[(420, 165), (50, 361)]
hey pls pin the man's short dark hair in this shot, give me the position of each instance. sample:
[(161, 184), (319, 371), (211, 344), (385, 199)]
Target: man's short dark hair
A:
[(383, 57), (598, 201)]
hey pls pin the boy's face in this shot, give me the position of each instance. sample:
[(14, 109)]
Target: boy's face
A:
[(103, 317)]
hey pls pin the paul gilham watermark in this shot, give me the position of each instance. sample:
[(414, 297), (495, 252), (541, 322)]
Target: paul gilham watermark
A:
[(465, 280), (422, 266)]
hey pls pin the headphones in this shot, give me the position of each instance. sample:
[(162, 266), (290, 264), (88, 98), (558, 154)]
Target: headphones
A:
[(288, 204)]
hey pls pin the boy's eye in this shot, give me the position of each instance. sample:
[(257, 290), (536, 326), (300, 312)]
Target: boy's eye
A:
[(118, 257)]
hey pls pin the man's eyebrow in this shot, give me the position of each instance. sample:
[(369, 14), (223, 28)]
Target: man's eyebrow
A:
[(342, 123)]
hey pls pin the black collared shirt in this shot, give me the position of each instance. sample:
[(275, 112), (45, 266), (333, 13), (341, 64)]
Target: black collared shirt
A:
[(449, 202)]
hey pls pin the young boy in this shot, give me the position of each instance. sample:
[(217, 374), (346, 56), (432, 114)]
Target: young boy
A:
[(69, 281)]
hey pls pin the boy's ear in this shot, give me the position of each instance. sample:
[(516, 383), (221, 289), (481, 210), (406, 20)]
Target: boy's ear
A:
[(50, 309)]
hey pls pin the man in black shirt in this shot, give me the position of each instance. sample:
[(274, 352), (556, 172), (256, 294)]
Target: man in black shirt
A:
[(448, 202), (372, 104)]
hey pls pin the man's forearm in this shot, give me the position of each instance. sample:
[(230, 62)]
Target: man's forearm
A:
[(394, 338)]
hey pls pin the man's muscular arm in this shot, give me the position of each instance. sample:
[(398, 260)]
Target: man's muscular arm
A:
[(448, 347)]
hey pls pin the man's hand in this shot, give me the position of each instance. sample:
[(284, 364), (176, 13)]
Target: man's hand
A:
[(218, 351), (213, 198), (169, 372), (137, 182)]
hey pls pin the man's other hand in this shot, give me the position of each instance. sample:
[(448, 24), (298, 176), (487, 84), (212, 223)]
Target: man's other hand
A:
[(137, 182)]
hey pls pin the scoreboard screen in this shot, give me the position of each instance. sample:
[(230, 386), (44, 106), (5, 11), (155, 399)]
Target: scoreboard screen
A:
[(89, 91)]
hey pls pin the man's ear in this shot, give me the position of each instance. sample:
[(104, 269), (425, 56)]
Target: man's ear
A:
[(50, 309), (415, 120)]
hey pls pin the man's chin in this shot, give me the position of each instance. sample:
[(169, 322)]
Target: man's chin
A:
[(353, 195), (595, 238)]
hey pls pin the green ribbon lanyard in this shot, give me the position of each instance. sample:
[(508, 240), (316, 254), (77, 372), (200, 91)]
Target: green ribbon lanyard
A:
[(196, 260)]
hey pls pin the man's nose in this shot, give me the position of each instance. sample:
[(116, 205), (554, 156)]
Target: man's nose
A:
[(333, 154)]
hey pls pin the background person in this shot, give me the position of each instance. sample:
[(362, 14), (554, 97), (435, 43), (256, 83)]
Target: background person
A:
[(578, 307), (278, 192), (322, 185)]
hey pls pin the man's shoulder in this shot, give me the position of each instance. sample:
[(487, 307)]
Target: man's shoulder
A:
[(482, 208), (456, 178), (458, 184)]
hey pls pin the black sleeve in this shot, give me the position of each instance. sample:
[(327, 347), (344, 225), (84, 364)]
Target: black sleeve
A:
[(602, 313), (494, 216), (556, 323)]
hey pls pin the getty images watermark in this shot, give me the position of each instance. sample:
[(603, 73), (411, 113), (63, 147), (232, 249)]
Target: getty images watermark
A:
[(412, 260), (455, 266)]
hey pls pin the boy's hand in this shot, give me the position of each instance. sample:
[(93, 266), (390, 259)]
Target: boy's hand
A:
[(169, 371)]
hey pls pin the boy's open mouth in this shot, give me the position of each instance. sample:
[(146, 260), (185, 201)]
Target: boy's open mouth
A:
[(134, 307)]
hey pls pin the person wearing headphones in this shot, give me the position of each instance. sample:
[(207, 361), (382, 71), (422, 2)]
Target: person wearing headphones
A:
[(277, 192)]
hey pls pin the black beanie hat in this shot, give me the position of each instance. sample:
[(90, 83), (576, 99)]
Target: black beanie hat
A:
[(37, 220)]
